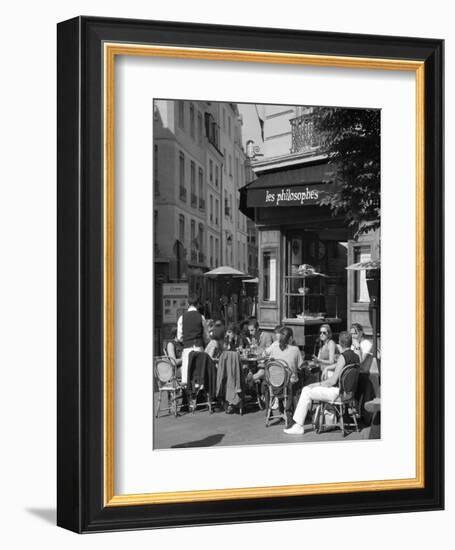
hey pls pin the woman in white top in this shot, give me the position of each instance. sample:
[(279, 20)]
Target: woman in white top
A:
[(361, 345)]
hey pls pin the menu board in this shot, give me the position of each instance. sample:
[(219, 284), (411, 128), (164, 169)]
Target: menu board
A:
[(175, 296)]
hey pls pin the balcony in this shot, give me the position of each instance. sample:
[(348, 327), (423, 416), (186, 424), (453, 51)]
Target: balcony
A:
[(304, 138), (182, 194), (193, 200), (201, 204)]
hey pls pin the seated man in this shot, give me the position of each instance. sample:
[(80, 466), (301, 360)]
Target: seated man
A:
[(327, 390), (262, 339)]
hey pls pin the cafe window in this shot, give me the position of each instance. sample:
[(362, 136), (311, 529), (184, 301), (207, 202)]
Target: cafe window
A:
[(361, 254), (269, 276), (304, 287)]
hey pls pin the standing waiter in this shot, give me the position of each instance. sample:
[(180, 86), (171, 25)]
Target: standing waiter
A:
[(192, 332)]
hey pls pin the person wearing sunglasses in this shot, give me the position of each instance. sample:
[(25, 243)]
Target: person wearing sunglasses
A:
[(327, 350)]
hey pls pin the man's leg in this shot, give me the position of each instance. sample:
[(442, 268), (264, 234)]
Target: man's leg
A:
[(185, 354)]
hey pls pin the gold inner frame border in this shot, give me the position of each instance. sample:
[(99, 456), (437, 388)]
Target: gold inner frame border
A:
[(110, 51)]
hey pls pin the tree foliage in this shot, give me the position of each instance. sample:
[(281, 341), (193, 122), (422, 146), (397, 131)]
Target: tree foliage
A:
[(351, 138)]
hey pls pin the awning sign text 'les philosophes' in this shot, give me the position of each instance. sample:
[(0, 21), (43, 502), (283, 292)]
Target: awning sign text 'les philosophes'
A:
[(286, 196), (291, 196)]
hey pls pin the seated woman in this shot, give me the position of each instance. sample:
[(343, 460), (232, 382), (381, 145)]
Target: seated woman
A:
[(327, 351), (174, 347), (284, 349), (216, 344)]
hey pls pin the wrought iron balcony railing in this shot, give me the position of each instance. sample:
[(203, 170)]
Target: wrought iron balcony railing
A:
[(304, 137)]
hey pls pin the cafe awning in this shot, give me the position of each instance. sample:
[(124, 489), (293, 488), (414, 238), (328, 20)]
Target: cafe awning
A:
[(301, 186)]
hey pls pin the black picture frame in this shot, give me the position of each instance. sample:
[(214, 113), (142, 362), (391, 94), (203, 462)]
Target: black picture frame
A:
[(80, 476)]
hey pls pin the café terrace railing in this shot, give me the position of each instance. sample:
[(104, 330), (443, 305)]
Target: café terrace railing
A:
[(304, 138)]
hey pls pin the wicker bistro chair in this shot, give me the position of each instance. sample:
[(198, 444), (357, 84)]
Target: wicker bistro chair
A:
[(277, 377), (345, 402), (165, 371)]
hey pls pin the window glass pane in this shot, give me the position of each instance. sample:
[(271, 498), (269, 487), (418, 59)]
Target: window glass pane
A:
[(361, 254), (269, 277)]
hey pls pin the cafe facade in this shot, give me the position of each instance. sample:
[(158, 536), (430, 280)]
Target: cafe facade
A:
[(304, 250)]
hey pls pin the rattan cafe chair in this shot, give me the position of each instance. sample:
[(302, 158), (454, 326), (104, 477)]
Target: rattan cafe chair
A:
[(277, 377), (165, 370), (344, 403)]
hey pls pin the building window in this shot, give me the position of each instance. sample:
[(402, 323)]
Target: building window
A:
[(192, 128), (217, 253), (156, 183), (182, 188), (155, 233), (181, 114), (182, 228), (224, 119), (200, 237), (361, 294), (225, 160), (211, 208), (217, 176), (269, 276), (211, 170), (229, 126), (193, 184), (230, 207), (193, 241), (211, 130), (226, 204), (211, 251), (217, 210), (199, 127), (201, 190), (230, 165)]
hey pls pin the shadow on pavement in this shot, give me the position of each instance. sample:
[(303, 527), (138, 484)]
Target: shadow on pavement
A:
[(208, 441)]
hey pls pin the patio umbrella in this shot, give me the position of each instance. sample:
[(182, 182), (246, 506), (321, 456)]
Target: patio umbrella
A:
[(255, 280), (226, 271), (369, 264)]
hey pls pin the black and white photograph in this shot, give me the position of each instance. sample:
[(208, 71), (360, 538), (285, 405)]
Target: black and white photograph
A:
[(267, 262)]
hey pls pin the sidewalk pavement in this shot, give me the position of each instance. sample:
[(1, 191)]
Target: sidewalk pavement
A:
[(203, 429)]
